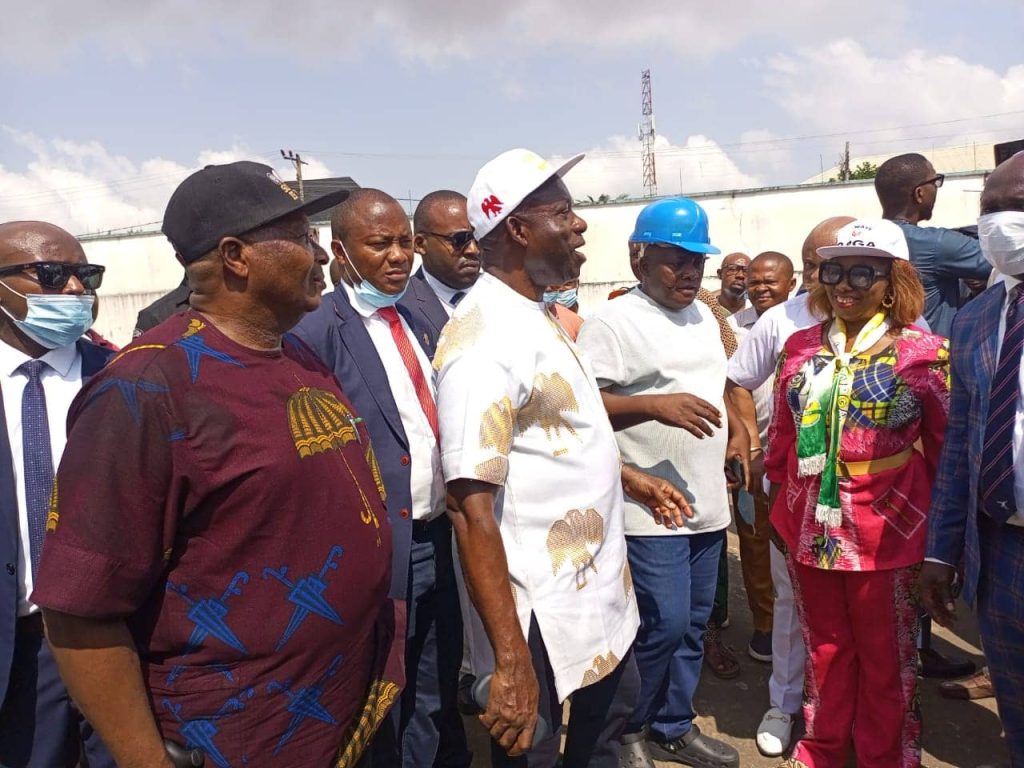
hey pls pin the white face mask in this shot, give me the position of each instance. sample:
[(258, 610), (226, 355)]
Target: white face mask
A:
[(1002, 240)]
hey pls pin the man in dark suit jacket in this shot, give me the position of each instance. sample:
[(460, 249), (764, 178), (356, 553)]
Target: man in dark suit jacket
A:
[(378, 352), (977, 512), (451, 259), (169, 304), (43, 365)]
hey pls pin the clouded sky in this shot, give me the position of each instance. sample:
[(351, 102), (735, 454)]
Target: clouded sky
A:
[(107, 105)]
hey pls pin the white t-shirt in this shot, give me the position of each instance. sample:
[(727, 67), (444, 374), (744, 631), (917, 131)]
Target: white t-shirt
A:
[(520, 409), (756, 357), (741, 323), (637, 347)]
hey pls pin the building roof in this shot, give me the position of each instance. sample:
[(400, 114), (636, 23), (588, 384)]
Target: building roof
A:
[(315, 187), (960, 159)]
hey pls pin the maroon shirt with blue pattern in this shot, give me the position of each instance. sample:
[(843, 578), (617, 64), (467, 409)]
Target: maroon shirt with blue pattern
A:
[(225, 502)]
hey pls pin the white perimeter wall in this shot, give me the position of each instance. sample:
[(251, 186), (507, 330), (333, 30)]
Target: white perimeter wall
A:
[(141, 267)]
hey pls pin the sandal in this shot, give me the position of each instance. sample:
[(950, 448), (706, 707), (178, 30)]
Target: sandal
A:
[(633, 751), (720, 657)]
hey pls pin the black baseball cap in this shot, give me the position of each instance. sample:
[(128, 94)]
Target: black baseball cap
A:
[(230, 200)]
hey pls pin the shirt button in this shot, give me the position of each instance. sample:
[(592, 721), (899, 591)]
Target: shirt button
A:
[(11, 569), (405, 461), (404, 512)]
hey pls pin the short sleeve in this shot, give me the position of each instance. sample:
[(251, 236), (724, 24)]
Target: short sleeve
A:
[(113, 511), (479, 393), (601, 346), (755, 359)]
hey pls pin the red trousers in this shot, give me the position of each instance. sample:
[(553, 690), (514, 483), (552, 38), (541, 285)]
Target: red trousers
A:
[(861, 681)]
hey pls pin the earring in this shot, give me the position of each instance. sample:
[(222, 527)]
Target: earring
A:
[(888, 301)]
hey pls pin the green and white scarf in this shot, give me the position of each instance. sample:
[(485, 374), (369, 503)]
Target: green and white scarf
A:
[(826, 394)]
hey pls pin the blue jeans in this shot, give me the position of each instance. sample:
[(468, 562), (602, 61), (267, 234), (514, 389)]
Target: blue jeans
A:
[(674, 578)]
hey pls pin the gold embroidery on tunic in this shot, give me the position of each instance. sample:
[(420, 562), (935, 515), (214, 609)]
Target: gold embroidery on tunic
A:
[(379, 699), (52, 515), (569, 538), (627, 579), (493, 471), (603, 666), (319, 422), (371, 459), (195, 325), (496, 426), (551, 397), (460, 333)]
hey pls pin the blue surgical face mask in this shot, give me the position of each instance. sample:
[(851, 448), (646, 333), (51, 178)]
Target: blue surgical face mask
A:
[(367, 292), (54, 321), (566, 298)]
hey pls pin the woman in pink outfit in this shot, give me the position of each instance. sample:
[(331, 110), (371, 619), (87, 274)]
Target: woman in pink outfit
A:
[(861, 402)]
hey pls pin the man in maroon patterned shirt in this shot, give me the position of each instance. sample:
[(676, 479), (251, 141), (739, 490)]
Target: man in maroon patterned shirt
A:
[(218, 556)]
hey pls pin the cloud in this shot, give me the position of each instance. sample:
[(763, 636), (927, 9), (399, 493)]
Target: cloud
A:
[(917, 96), (446, 30), (83, 187), (697, 165)]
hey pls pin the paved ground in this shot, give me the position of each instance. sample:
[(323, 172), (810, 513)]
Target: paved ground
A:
[(957, 734)]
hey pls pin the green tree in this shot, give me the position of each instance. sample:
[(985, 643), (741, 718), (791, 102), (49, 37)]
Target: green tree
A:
[(866, 170), (601, 199)]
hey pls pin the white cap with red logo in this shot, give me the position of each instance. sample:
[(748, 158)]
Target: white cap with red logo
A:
[(503, 183), (868, 237)]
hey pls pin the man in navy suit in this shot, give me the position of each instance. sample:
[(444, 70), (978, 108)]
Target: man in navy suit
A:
[(451, 259), (977, 512), (379, 353), (47, 302)]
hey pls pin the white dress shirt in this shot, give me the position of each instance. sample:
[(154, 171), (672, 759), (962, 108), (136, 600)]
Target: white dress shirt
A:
[(61, 379), (445, 293), (425, 480), (1018, 424)]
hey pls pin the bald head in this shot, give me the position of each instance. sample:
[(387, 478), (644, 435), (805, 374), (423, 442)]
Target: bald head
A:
[(823, 234), (25, 241), (439, 204), (361, 204), (1004, 187)]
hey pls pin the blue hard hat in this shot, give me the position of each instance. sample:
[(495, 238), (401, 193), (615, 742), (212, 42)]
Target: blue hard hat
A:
[(677, 221)]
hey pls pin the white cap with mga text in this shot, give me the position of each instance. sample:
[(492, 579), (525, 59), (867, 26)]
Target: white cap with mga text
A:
[(869, 237)]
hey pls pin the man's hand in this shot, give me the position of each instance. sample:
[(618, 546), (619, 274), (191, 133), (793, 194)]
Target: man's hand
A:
[(511, 714), (738, 447), (666, 502), (936, 585), (688, 412)]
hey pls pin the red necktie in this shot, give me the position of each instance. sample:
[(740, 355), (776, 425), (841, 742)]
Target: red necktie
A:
[(412, 365)]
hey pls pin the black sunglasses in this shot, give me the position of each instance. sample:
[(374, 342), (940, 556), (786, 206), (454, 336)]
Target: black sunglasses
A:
[(859, 276), (937, 180), (457, 240), (54, 275)]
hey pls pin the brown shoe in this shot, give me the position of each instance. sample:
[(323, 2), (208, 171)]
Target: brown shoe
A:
[(977, 686), (720, 657)]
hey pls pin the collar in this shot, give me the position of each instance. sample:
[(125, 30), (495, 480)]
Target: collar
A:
[(506, 292), (60, 359), (360, 306), (444, 291), (1009, 283)]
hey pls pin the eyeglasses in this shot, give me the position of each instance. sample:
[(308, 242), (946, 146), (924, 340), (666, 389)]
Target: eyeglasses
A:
[(458, 240), (859, 276), (937, 180), (734, 269), (54, 275)]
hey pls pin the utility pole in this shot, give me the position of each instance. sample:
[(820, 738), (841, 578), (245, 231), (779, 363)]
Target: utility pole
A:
[(646, 130), (295, 158), (844, 172)]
